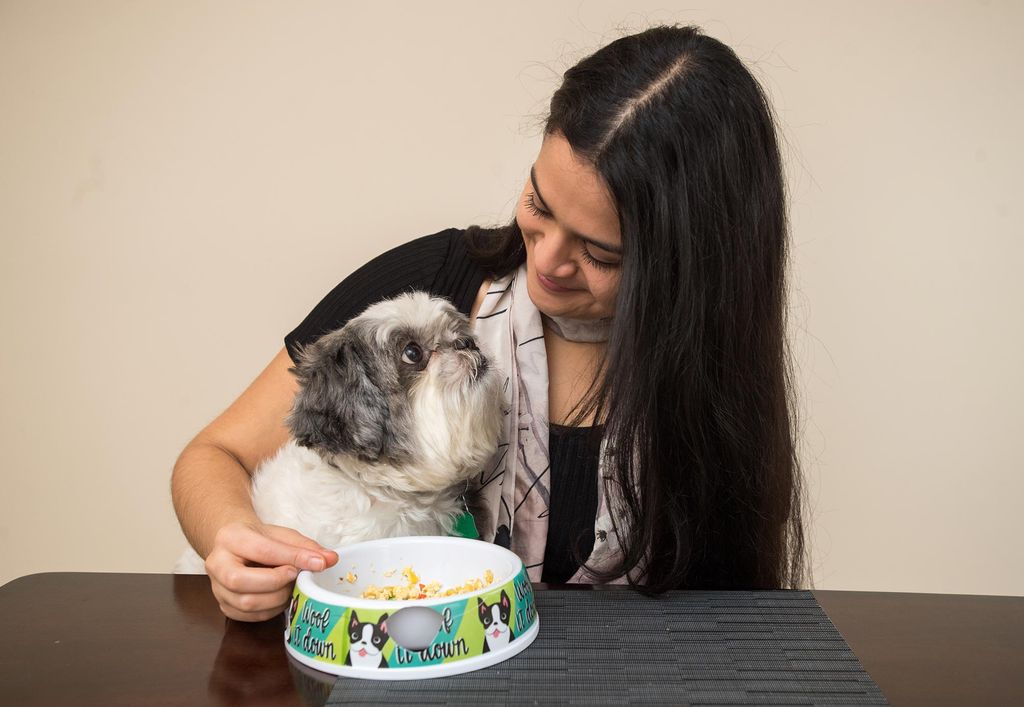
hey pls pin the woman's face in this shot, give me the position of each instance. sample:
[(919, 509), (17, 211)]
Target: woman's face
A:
[(571, 231)]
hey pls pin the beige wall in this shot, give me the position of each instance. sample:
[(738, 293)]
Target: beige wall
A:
[(181, 182)]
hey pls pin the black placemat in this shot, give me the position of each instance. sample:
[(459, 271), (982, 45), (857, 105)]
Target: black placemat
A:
[(614, 647)]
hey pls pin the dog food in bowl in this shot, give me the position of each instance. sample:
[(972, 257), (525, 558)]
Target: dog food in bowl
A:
[(415, 589), (333, 627)]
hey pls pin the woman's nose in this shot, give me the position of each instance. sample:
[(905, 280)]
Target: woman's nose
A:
[(553, 254)]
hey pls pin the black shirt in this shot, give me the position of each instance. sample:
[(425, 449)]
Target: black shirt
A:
[(439, 264)]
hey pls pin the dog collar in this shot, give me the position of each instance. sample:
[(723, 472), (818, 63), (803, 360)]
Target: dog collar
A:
[(465, 524), (465, 527)]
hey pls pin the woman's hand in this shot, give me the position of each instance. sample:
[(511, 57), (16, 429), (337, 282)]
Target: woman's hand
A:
[(252, 567)]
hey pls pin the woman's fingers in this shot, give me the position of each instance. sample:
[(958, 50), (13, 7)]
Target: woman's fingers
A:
[(248, 593), (252, 567), (294, 537), (251, 607), (236, 577), (272, 546)]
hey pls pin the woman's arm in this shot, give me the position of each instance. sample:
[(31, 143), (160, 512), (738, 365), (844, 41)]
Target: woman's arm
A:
[(251, 565)]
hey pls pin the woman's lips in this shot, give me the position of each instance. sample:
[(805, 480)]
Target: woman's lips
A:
[(551, 286)]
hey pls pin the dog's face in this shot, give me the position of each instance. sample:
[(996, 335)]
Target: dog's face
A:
[(403, 386)]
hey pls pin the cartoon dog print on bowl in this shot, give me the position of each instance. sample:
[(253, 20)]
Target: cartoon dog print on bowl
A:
[(366, 641), (495, 618)]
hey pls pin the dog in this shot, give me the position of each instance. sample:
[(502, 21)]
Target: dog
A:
[(395, 413)]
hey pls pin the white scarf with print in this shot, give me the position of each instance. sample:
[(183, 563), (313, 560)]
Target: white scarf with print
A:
[(514, 486)]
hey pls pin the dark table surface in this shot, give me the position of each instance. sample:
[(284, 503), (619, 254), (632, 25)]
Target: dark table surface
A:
[(133, 639)]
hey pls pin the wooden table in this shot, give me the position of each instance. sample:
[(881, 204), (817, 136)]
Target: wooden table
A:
[(149, 639)]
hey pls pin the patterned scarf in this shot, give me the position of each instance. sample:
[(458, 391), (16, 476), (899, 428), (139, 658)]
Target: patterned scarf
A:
[(515, 484)]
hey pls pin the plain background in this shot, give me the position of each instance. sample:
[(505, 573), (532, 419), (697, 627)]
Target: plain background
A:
[(180, 182)]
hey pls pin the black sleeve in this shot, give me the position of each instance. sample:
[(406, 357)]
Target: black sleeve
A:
[(438, 264)]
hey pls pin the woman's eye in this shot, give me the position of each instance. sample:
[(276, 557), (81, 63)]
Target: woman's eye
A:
[(599, 264), (533, 208), (412, 354)]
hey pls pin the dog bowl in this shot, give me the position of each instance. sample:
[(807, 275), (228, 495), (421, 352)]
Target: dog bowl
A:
[(333, 629)]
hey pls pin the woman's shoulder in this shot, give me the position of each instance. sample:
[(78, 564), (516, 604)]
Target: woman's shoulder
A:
[(438, 263), (426, 254)]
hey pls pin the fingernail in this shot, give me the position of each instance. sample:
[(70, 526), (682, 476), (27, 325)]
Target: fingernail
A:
[(291, 573), (316, 563)]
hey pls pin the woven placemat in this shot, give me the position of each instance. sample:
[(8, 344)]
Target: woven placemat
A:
[(615, 647)]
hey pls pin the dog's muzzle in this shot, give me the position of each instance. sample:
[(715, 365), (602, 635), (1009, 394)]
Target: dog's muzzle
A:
[(466, 345)]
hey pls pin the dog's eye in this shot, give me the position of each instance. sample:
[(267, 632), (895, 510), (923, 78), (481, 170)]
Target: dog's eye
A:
[(413, 354)]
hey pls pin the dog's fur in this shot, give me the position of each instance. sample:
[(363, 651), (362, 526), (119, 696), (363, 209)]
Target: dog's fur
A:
[(382, 445)]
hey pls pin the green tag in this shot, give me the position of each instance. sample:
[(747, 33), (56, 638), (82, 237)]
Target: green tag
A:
[(465, 527)]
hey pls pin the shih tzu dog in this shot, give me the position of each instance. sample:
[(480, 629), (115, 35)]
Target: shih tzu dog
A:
[(395, 412)]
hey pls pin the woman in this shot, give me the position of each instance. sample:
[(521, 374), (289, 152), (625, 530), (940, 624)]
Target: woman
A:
[(651, 241)]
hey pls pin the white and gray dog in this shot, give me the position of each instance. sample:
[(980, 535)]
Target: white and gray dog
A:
[(395, 412)]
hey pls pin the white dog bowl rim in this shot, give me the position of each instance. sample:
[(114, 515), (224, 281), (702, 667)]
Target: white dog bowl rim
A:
[(308, 586)]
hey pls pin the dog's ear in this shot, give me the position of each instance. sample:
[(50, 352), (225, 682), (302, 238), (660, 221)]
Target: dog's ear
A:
[(340, 407)]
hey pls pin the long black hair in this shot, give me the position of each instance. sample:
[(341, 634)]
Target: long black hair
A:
[(697, 395)]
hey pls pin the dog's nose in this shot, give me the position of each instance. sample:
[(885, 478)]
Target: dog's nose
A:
[(466, 342)]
